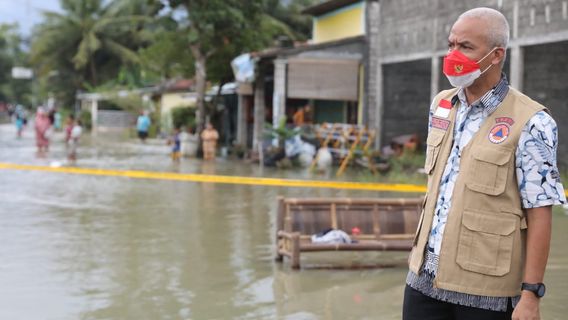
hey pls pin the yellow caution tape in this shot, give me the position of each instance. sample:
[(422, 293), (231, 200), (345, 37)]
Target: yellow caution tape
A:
[(226, 179), (223, 179)]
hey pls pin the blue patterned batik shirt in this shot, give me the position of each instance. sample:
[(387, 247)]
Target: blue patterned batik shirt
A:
[(537, 176)]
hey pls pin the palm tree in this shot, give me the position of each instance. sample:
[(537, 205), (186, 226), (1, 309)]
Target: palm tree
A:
[(88, 41)]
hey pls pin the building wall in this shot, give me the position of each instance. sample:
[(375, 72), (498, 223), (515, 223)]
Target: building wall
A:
[(170, 101), (406, 99), (546, 81), (178, 99), (540, 18), (342, 23), (412, 32), (372, 103), (109, 119), (410, 28)]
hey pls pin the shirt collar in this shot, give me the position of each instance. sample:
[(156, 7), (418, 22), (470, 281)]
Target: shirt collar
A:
[(491, 99)]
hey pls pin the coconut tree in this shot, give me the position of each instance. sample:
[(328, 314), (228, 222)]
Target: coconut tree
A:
[(88, 40)]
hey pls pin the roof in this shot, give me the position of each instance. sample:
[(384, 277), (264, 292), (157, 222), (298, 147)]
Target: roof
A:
[(325, 7), (179, 85), (273, 53)]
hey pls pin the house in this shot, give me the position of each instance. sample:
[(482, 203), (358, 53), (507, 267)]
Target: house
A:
[(332, 73), (176, 93)]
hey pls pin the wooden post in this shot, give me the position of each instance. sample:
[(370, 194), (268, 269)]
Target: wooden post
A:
[(295, 263), (279, 226), (350, 154)]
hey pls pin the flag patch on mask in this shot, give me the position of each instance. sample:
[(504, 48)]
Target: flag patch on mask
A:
[(440, 123), (499, 133)]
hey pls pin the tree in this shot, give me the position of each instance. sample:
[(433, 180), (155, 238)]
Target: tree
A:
[(288, 15), (167, 56), (215, 28), (12, 55), (88, 41)]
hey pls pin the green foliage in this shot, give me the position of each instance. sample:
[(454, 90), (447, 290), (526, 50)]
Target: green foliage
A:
[(403, 169), (409, 161), (167, 56), (88, 42), (282, 19), (86, 120), (129, 102), (99, 45), (11, 54), (183, 117), (281, 132)]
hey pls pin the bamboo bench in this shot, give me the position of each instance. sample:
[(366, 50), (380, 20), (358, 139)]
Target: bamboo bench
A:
[(384, 224)]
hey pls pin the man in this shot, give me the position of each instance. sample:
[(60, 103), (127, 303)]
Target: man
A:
[(143, 125), (300, 115), (483, 239)]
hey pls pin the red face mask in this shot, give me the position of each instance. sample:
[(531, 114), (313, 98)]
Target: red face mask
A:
[(461, 70), (458, 64)]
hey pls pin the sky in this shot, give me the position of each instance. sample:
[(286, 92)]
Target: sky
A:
[(25, 12)]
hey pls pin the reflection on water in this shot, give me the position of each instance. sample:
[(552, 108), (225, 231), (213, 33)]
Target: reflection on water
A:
[(83, 247)]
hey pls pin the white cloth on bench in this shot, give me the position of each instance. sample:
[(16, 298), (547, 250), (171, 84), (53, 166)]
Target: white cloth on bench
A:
[(331, 236)]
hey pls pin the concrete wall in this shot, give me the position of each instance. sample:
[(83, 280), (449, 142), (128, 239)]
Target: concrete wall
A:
[(372, 84), (407, 92), (546, 81), (109, 119), (412, 32)]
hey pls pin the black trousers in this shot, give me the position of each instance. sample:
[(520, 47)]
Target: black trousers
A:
[(420, 307)]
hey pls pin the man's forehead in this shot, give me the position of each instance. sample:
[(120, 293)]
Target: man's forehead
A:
[(468, 29)]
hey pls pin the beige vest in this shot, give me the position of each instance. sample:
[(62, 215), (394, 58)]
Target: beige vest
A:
[(483, 245)]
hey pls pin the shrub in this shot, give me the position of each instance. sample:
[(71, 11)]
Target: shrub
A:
[(85, 117), (183, 116)]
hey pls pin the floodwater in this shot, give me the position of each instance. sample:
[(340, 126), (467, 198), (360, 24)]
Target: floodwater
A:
[(87, 247)]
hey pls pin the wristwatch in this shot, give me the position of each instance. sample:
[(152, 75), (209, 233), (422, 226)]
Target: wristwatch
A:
[(537, 288)]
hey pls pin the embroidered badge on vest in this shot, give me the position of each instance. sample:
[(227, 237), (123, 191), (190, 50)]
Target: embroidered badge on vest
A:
[(443, 109), (506, 120), (499, 133), (440, 123)]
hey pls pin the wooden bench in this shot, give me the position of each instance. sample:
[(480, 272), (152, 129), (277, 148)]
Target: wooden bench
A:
[(384, 224)]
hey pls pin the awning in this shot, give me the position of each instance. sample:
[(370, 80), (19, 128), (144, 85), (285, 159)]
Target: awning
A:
[(325, 79)]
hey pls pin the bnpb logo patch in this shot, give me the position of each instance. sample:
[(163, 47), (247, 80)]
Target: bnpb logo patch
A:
[(499, 133)]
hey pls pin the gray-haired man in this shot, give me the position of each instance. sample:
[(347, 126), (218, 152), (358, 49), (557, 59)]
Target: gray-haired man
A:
[(484, 236)]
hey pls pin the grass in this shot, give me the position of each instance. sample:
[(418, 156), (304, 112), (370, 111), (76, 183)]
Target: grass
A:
[(403, 169)]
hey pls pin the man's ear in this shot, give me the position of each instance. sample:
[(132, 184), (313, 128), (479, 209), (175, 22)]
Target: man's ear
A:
[(498, 55)]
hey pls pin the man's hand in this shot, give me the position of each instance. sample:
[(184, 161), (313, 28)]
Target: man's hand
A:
[(527, 308)]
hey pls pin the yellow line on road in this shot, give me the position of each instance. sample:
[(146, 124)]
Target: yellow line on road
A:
[(222, 179)]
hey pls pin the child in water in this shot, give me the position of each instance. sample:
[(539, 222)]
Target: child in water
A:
[(175, 142)]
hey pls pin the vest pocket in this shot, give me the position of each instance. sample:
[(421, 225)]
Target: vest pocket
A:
[(489, 169), (486, 242), (433, 143)]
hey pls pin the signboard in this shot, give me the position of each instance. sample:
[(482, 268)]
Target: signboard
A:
[(22, 73)]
